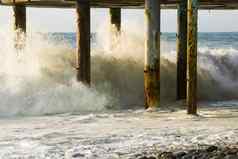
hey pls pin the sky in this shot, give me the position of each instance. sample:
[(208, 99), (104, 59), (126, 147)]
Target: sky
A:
[(63, 20)]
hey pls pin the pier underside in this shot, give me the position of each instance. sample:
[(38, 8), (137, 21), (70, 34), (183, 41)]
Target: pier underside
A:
[(165, 4)]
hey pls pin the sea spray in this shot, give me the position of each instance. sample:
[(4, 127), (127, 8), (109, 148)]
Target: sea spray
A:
[(41, 78), (217, 73)]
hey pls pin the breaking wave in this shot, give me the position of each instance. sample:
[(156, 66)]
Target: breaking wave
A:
[(41, 79)]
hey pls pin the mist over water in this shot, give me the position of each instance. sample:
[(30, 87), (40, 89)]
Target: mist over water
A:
[(41, 79)]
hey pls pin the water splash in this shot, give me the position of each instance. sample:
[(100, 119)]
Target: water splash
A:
[(41, 79)]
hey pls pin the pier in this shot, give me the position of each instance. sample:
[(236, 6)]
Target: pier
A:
[(187, 12)]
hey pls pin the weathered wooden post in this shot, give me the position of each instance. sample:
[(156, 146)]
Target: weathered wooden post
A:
[(115, 27), (19, 14), (192, 56), (83, 41), (115, 18), (152, 54), (182, 50)]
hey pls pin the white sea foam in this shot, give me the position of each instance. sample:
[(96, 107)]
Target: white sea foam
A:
[(115, 135)]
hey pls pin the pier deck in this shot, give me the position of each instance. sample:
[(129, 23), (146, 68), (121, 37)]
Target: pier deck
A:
[(166, 4)]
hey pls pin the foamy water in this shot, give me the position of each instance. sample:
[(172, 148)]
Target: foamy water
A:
[(95, 122), (115, 134)]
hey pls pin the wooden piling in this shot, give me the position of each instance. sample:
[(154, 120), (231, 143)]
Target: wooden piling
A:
[(115, 27), (152, 54), (192, 56), (115, 18), (83, 41), (182, 50), (19, 14)]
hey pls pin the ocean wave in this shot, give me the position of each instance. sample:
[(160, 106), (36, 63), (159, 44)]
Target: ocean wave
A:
[(41, 78)]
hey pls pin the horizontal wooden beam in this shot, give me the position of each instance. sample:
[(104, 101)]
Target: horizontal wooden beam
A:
[(165, 4)]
